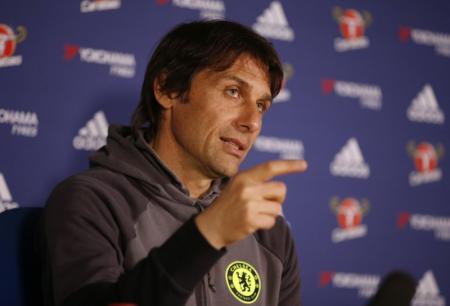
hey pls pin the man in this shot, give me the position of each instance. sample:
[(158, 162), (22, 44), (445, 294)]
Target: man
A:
[(156, 219)]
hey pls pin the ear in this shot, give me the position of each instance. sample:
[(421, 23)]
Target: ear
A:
[(165, 100)]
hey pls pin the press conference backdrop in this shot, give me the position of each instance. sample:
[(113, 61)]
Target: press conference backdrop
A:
[(366, 101)]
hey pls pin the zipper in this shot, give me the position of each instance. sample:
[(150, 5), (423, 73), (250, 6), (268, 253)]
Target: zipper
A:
[(210, 282), (202, 294)]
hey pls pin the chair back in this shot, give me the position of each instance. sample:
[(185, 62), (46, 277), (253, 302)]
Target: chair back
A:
[(20, 280)]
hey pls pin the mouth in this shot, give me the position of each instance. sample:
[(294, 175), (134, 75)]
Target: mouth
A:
[(234, 146)]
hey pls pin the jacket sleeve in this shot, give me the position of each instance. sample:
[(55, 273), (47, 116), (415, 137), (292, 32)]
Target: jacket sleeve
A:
[(290, 283), (278, 240), (84, 256)]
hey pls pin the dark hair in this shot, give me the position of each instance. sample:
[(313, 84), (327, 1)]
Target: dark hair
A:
[(191, 47)]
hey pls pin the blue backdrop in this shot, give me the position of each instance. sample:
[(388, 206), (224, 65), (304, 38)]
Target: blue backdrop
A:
[(365, 101)]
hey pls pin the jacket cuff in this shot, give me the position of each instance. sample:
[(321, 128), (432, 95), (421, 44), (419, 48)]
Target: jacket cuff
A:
[(187, 256)]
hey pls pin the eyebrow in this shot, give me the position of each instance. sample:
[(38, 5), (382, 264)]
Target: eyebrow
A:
[(243, 83)]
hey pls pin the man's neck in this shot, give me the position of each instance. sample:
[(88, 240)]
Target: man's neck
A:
[(195, 182)]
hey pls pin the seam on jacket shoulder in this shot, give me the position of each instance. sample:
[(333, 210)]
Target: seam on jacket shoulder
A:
[(260, 242)]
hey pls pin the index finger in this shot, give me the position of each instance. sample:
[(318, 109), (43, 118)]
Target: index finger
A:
[(267, 170)]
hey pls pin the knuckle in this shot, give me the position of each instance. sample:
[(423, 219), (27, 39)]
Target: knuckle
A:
[(246, 192), (270, 166), (278, 209), (282, 187)]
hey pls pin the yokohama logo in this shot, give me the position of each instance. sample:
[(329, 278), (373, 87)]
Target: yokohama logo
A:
[(440, 225), (440, 41), (201, 4), (87, 6), (18, 117), (366, 284), (370, 96), (209, 9), (121, 64), (287, 148), (22, 123)]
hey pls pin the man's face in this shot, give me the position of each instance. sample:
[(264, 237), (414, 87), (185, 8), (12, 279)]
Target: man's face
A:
[(217, 126)]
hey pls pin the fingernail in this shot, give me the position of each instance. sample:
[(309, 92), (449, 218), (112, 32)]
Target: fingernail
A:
[(303, 164)]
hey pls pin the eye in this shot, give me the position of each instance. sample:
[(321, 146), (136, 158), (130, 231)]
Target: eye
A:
[(262, 108), (233, 92)]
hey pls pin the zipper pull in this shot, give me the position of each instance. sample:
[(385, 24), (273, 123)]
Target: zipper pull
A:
[(199, 206), (210, 284)]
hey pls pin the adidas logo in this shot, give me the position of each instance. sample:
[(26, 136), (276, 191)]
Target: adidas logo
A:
[(427, 292), (93, 135), (350, 162), (427, 285), (6, 201), (425, 108), (273, 23)]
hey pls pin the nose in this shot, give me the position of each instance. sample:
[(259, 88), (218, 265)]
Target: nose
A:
[(250, 119)]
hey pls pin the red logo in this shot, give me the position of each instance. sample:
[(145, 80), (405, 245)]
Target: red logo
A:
[(425, 156), (9, 40), (327, 86), (404, 33), (403, 219), (70, 51), (352, 24), (349, 212), (162, 2), (325, 278)]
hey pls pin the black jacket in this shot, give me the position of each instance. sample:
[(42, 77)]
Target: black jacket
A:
[(123, 231)]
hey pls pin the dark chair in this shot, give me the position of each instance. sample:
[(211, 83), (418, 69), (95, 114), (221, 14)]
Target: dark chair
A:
[(20, 280)]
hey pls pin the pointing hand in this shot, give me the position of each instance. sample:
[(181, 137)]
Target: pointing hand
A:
[(251, 201)]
